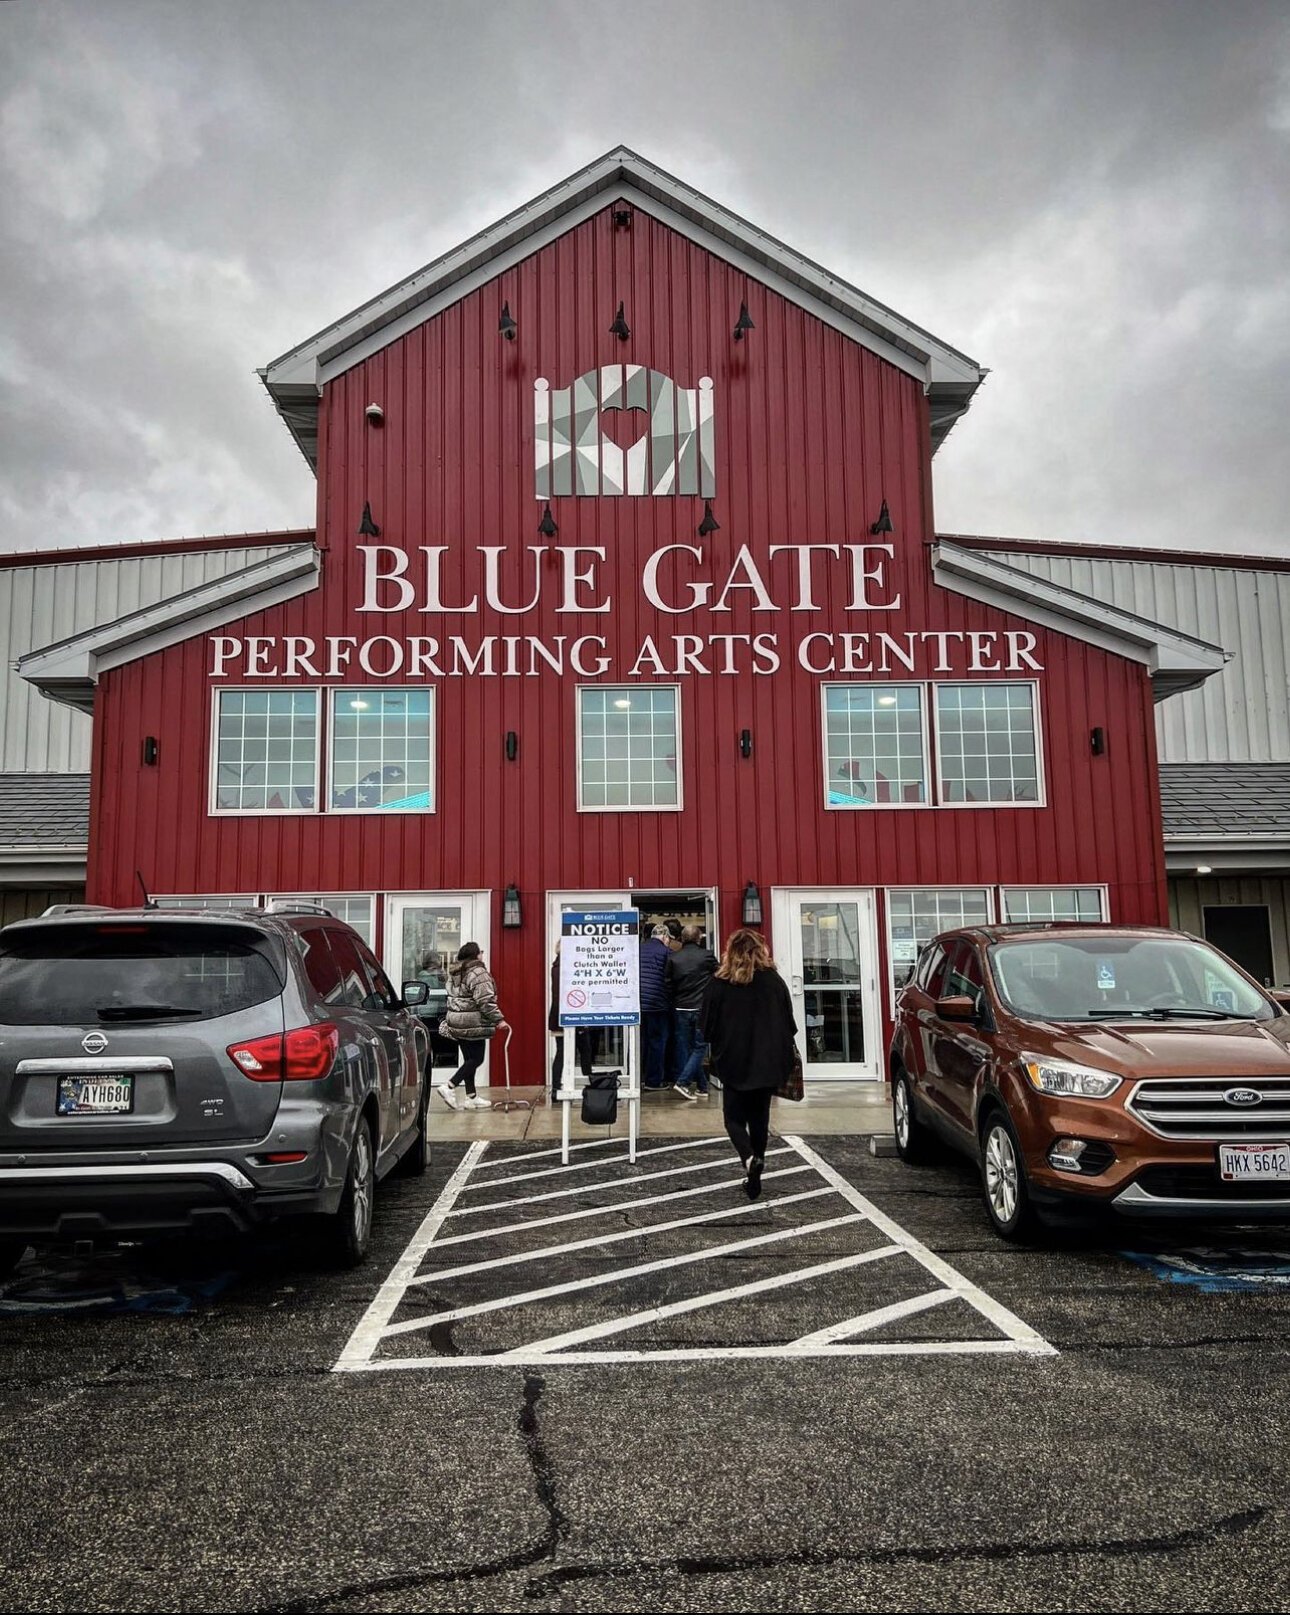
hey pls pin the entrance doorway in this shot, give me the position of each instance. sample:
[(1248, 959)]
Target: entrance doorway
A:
[(826, 941), (1243, 931), (423, 931)]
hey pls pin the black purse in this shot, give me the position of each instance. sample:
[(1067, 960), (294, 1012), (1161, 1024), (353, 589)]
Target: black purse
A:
[(600, 1099)]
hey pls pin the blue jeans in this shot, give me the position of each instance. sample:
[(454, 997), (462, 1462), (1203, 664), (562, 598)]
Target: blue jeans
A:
[(690, 1050), (654, 1030)]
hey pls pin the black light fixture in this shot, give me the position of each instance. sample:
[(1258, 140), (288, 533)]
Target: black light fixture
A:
[(743, 323), (367, 528), (506, 325), (622, 218), (512, 915), (709, 524), (620, 327), (512, 745), (883, 524), (150, 750), (547, 526), (752, 904), (745, 742), (1097, 741)]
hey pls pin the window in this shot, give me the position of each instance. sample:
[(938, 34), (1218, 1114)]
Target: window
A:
[(355, 911), (354, 988), (628, 747), (875, 745), (966, 978), (380, 751), (1023, 904), (266, 751), (916, 914), (379, 981), (931, 967), (987, 744), (320, 966), (250, 900)]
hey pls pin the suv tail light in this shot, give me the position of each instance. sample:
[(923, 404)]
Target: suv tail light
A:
[(302, 1055)]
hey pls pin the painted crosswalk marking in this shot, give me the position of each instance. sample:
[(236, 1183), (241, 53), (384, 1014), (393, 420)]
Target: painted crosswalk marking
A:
[(521, 1308)]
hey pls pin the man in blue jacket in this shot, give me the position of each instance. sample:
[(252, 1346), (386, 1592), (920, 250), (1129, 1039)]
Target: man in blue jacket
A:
[(656, 1006)]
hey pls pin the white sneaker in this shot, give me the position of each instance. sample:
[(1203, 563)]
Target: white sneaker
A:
[(684, 1091), (444, 1090), (477, 1103)]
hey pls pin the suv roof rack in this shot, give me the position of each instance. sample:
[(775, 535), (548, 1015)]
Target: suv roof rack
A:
[(77, 908), (275, 907)]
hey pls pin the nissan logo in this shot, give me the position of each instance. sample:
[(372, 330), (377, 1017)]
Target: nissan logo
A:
[(94, 1042), (1243, 1096)]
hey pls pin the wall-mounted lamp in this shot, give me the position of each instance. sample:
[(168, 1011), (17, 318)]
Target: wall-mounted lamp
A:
[(367, 528), (512, 745), (622, 218), (506, 325), (375, 415), (745, 742), (547, 526), (744, 323), (1097, 741), (150, 750), (512, 916), (709, 524), (620, 327), (883, 524), (752, 904)]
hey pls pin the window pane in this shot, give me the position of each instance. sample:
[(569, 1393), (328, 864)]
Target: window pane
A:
[(382, 749), (628, 747), (266, 751), (915, 915), (986, 743), (874, 748), (355, 911), (221, 902), (1024, 904)]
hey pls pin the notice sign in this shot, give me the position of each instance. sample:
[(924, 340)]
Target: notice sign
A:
[(600, 978)]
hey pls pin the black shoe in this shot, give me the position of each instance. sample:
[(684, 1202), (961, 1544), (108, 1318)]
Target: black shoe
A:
[(752, 1185)]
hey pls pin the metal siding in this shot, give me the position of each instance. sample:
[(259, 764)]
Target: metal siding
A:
[(1241, 715), (1190, 896), (812, 433), (42, 604)]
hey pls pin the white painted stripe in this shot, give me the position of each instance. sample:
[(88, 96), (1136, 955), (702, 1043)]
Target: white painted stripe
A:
[(593, 1188), (549, 1252), (619, 1205), (596, 1281), (598, 1166), (537, 1155), (673, 1309), (371, 1326), (1007, 1322), (712, 1354), (874, 1319)]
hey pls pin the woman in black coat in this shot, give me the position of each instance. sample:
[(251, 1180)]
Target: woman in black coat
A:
[(747, 1020)]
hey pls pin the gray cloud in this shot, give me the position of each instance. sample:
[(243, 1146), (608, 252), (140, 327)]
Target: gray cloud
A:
[(1089, 198)]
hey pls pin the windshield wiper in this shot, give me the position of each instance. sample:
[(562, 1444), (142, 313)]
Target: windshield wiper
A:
[(145, 1012), (1168, 1012)]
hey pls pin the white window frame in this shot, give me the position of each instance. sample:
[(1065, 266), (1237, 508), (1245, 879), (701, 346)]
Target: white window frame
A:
[(878, 807), (660, 807), (992, 908), (1041, 779), (334, 692), (327, 898), (168, 900), (216, 812), (1100, 887)]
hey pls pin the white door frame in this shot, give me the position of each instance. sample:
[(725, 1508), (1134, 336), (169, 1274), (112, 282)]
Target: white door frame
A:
[(476, 915), (785, 904)]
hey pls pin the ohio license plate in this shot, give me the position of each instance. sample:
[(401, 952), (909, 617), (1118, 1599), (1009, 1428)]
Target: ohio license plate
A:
[(104, 1095), (1241, 1163)]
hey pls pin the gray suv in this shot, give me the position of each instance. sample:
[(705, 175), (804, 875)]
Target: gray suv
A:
[(167, 1070)]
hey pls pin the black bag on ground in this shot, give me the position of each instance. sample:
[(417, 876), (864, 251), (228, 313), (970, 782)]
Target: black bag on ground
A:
[(600, 1099)]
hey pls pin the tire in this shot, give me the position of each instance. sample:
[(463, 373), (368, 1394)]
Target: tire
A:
[(416, 1158), (913, 1140), (347, 1233), (1003, 1181)]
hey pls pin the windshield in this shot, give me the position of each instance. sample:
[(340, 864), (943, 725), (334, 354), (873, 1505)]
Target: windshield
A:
[(87, 975), (1098, 978)]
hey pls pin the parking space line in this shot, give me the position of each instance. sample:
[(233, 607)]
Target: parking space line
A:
[(875, 1319), (537, 1155), (595, 1281), (595, 1166), (524, 1357), (549, 1251)]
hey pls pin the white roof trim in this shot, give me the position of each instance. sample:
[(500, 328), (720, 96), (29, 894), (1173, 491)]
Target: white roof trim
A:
[(296, 378), (68, 671), (1175, 661)]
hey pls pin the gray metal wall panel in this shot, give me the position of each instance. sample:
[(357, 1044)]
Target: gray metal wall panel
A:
[(1241, 715), (1189, 896), (41, 604)]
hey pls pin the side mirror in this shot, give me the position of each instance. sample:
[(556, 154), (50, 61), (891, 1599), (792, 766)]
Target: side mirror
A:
[(415, 993), (958, 1008)]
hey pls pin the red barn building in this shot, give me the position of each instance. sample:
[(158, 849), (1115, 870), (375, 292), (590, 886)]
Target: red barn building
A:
[(625, 588)]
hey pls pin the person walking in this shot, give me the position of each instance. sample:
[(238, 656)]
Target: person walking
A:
[(656, 1006), (747, 1018), (688, 973), (586, 1039), (471, 1019)]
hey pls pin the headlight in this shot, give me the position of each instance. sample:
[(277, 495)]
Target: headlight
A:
[(1062, 1077)]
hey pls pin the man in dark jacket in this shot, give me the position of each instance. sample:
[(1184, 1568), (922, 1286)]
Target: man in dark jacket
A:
[(688, 975), (656, 1006)]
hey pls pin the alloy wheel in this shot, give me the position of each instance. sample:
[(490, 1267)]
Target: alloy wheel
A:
[(1001, 1173), (362, 1201), (901, 1107)]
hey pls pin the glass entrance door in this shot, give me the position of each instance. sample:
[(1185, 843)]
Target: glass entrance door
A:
[(826, 939), (423, 931)]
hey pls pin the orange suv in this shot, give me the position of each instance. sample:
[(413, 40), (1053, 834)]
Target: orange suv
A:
[(1096, 1067)]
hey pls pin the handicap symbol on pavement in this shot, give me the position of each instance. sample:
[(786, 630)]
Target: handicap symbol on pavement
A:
[(1215, 1269)]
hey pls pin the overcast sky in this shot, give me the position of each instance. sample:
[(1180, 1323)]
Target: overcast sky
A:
[(1092, 199)]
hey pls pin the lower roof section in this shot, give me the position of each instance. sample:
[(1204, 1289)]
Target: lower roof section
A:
[(1226, 816)]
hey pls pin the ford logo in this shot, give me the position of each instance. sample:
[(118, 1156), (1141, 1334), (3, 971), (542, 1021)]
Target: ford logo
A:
[(94, 1042), (1243, 1096)]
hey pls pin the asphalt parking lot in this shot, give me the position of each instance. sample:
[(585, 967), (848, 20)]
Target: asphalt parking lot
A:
[(616, 1388)]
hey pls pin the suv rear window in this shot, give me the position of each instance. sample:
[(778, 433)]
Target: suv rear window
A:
[(85, 975)]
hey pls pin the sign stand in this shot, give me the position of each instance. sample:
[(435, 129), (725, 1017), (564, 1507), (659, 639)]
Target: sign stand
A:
[(600, 986), (629, 1090)]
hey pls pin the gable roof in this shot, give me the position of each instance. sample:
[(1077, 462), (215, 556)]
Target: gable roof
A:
[(1209, 803), (296, 379), (44, 812)]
